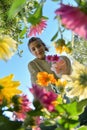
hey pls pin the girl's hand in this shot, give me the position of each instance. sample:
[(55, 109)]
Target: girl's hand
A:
[(59, 67)]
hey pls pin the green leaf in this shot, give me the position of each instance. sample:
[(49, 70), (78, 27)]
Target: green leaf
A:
[(60, 42), (38, 12), (71, 109), (59, 128), (16, 7), (23, 32), (82, 128), (45, 17), (35, 113), (67, 123), (55, 36), (49, 127), (35, 18), (81, 105), (69, 113), (78, 2), (6, 124)]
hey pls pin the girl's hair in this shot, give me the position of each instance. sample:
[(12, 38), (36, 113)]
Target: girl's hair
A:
[(68, 63), (39, 40)]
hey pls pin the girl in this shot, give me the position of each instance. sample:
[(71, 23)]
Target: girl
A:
[(39, 64)]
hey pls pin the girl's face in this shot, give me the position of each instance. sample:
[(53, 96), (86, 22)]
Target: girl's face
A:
[(37, 49)]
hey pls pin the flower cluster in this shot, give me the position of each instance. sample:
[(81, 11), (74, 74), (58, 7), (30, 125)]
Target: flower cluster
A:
[(52, 58), (49, 107), (57, 103), (61, 46)]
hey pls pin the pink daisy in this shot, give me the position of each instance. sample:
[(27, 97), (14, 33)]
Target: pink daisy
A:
[(37, 28), (73, 18)]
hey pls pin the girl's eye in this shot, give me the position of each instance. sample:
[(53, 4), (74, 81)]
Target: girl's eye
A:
[(38, 46), (33, 49)]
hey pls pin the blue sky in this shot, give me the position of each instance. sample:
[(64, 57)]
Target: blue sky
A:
[(18, 65)]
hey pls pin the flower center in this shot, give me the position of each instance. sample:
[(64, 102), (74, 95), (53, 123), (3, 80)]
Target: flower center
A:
[(83, 79), (1, 87)]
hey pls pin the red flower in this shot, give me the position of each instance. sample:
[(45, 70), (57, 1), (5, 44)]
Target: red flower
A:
[(53, 58)]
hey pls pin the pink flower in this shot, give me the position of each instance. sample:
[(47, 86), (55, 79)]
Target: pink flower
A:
[(37, 28), (24, 107), (53, 58), (73, 18), (46, 98), (38, 120)]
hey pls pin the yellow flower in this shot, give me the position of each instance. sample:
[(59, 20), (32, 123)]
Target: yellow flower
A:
[(8, 88), (60, 84), (78, 81), (44, 79), (58, 49), (61, 48), (8, 47), (66, 49), (55, 103)]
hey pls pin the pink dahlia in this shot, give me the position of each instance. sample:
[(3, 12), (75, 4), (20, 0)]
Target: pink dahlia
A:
[(46, 98), (73, 18), (37, 28)]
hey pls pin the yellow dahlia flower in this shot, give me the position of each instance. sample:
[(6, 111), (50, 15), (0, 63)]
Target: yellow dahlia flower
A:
[(8, 46), (8, 88), (78, 81)]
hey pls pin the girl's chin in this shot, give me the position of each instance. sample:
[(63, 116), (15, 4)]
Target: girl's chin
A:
[(41, 57)]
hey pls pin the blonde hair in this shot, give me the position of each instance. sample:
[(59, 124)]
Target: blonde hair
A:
[(68, 63)]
